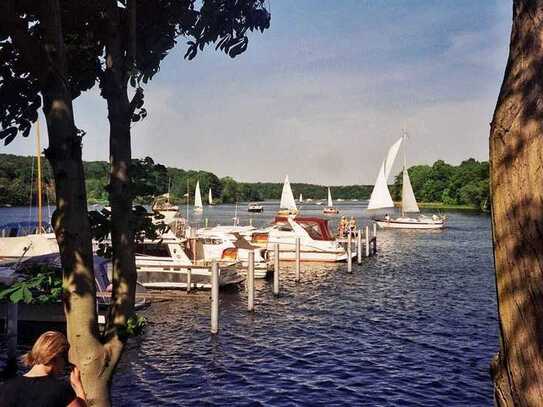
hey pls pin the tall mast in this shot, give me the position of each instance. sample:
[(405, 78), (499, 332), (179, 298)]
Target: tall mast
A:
[(188, 199), (404, 135), (38, 156)]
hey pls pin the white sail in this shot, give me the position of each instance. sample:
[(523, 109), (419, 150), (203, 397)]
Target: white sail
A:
[(380, 196), (197, 196), (330, 202), (301, 199), (409, 203), (210, 197), (287, 198)]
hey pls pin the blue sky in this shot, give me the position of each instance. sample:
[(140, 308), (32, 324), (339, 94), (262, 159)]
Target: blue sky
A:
[(324, 92)]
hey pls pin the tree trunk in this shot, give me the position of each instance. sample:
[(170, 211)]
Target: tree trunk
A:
[(516, 153), (70, 220), (114, 90)]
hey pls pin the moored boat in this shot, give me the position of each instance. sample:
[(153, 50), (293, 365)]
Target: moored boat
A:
[(255, 208), (317, 244)]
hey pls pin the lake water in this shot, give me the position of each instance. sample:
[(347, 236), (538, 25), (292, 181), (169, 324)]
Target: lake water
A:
[(415, 325)]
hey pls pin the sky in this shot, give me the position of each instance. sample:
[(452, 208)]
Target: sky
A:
[(323, 93)]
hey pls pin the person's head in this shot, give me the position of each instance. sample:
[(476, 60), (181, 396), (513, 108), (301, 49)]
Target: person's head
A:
[(51, 350)]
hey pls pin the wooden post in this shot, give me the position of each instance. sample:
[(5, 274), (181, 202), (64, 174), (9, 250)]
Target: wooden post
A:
[(349, 252), (12, 318), (374, 238), (359, 247), (251, 282), (215, 298), (367, 241), (276, 269), (189, 279), (298, 260)]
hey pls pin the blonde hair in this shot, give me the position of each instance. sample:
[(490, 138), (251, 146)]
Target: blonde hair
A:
[(47, 347)]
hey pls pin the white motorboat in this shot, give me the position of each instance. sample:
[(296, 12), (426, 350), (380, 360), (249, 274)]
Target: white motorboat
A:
[(164, 207), (330, 209), (198, 207), (26, 239), (226, 244), (288, 204), (317, 244), (255, 208), (381, 199), (166, 263)]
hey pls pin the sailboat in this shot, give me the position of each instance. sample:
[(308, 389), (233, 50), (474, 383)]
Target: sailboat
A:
[(210, 198), (381, 199), (288, 204), (301, 199), (329, 209), (198, 207)]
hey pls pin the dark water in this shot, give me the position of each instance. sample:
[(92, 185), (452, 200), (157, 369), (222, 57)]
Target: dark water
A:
[(415, 325)]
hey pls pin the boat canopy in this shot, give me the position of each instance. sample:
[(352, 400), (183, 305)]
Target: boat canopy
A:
[(16, 229), (317, 228)]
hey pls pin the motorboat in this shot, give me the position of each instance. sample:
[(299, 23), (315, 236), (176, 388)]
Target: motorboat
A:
[(21, 240), (255, 208), (381, 198), (226, 244), (330, 209), (317, 243), (166, 264), (287, 205), (164, 207)]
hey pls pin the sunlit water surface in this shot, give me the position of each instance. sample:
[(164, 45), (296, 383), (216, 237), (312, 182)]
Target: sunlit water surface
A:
[(415, 325)]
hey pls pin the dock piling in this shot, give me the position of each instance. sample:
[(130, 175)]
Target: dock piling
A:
[(189, 279), (367, 241), (251, 282), (374, 238), (215, 298), (349, 253), (359, 247), (298, 261), (276, 269)]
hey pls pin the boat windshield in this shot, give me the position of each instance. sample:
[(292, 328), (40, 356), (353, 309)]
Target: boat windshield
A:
[(313, 230), (23, 229), (152, 249)]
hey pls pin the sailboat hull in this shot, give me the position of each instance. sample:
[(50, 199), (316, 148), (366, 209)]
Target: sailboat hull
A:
[(410, 223)]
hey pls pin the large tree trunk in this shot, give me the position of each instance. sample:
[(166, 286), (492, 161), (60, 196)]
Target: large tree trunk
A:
[(70, 219), (114, 90), (516, 159)]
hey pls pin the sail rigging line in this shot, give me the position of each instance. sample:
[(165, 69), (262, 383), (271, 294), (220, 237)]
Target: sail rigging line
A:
[(31, 191)]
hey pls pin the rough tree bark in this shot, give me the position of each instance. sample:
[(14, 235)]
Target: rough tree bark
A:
[(70, 220), (516, 160), (114, 88)]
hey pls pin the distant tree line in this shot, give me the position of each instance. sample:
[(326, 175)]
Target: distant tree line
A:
[(465, 184)]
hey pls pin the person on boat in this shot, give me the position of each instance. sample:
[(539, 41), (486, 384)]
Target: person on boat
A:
[(342, 227), (387, 217), (41, 386), (352, 225)]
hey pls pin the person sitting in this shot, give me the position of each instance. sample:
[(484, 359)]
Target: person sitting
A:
[(40, 386)]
